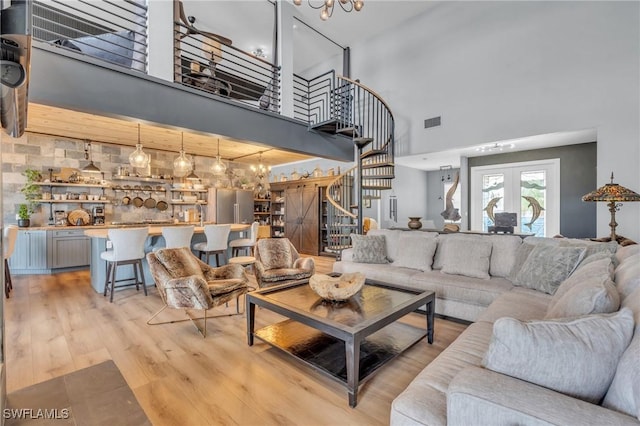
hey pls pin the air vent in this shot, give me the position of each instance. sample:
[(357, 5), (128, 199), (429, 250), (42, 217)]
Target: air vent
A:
[(431, 122)]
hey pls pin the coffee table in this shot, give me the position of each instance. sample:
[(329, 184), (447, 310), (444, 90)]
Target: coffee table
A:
[(346, 341)]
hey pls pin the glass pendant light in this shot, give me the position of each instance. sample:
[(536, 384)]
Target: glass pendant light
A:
[(139, 158), (193, 175), (218, 167), (181, 165), (91, 168)]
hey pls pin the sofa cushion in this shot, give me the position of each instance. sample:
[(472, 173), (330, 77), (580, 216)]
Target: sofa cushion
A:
[(595, 295), (576, 357), (424, 401), (520, 303), (626, 251), (503, 253), (624, 393), (417, 250), (627, 275), (461, 288), (382, 272), (369, 248), (391, 237), (470, 258), (443, 240), (601, 267), (547, 266), (179, 262), (592, 247)]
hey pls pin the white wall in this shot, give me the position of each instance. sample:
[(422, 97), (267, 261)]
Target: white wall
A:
[(502, 70)]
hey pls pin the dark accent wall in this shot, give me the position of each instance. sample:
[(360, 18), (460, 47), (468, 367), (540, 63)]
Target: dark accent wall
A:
[(577, 178)]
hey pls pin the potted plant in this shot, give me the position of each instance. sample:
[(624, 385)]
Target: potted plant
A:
[(32, 193)]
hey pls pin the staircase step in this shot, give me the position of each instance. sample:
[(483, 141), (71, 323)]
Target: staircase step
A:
[(379, 187), (362, 142), (370, 177), (376, 165), (374, 153), (350, 131)]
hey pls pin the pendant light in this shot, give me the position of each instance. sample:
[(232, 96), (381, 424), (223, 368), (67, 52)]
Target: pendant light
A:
[(139, 158), (90, 168), (193, 175), (181, 165), (218, 167)]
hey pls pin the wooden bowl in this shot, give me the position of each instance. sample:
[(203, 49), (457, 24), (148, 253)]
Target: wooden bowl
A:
[(337, 288)]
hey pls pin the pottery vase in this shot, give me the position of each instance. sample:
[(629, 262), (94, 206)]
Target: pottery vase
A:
[(414, 223)]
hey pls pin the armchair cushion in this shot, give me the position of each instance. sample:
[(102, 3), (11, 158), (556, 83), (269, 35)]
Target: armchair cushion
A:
[(187, 292), (275, 253), (277, 261), (180, 262), (275, 275)]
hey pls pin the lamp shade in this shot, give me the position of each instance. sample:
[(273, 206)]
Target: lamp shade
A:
[(611, 192)]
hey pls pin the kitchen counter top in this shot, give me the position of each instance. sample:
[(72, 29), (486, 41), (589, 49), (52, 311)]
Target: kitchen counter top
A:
[(102, 231)]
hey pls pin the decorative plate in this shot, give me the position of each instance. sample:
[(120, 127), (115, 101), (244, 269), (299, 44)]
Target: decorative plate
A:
[(79, 217)]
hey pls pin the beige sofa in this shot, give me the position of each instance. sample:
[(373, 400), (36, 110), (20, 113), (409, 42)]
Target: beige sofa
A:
[(466, 384)]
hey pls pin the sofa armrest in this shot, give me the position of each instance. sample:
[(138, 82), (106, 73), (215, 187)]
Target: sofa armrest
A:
[(347, 255), (480, 396), (305, 263)]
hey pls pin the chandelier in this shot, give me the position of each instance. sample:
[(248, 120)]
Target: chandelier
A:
[(218, 167), (181, 165), (261, 173), (327, 6), (139, 158)]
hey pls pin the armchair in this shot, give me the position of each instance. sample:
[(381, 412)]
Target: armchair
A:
[(185, 282), (278, 261)]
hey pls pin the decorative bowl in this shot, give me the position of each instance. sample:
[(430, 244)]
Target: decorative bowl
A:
[(337, 288)]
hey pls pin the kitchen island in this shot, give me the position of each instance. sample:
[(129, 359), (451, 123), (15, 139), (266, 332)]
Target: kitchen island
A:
[(99, 237)]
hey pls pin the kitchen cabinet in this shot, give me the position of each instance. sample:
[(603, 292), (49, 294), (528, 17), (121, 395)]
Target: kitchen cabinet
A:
[(30, 253), (277, 210), (68, 248)]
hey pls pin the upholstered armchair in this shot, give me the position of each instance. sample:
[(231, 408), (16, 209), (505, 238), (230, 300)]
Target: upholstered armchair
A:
[(278, 261), (185, 282)]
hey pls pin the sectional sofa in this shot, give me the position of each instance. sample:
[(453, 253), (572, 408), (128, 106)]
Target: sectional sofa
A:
[(555, 332)]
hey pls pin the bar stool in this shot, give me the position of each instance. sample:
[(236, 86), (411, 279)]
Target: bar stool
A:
[(128, 249), (9, 237), (217, 238), (177, 236), (246, 244)]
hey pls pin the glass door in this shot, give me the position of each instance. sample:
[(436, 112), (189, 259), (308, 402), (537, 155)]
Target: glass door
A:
[(530, 190)]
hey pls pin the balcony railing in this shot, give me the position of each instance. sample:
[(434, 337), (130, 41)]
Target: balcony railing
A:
[(313, 100), (114, 31), (210, 63)]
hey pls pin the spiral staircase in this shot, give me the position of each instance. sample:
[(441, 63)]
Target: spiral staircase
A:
[(339, 105)]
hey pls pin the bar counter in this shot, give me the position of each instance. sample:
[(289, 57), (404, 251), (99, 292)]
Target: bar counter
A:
[(99, 236)]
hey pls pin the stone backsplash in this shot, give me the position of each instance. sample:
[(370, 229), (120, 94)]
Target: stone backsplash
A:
[(41, 152)]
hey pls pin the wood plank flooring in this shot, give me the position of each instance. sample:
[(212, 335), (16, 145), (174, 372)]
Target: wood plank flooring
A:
[(56, 324)]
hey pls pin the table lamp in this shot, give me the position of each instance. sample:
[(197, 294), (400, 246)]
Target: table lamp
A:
[(612, 194)]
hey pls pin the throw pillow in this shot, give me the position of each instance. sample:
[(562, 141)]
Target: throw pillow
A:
[(601, 268), (595, 295), (369, 249), (577, 357), (624, 393), (470, 258), (628, 277), (417, 251), (503, 253), (547, 266), (391, 238), (443, 240), (179, 262)]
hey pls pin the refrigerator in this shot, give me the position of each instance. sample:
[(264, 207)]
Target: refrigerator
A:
[(227, 205)]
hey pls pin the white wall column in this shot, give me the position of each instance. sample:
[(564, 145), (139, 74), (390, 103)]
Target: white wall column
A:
[(160, 39), (285, 56)]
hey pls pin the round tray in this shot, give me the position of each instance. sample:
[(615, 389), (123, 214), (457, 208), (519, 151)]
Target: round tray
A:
[(81, 215)]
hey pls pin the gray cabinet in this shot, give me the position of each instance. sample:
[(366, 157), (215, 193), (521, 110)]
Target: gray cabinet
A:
[(30, 252), (68, 248)]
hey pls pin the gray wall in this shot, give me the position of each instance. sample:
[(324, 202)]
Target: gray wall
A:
[(410, 188), (577, 178)]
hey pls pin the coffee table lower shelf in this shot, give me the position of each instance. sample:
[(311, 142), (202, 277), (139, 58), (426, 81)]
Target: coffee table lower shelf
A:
[(326, 353)]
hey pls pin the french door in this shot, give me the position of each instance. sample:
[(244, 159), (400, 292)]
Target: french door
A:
[(529, 189)]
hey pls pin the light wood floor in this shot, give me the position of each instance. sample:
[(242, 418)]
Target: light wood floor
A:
[(58, 324)]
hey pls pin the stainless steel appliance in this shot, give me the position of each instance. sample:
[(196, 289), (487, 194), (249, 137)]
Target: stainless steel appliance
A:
[(97, 214), (230, 205)]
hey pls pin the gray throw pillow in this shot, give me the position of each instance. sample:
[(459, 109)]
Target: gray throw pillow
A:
[(416, 251), (369, 249), (470, 258), (601, 268), (595, 295), (547, 266), (577, 357)]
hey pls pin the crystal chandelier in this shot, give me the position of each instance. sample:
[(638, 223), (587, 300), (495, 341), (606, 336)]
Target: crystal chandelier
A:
[(139, 158), (181, 165), (218, 167), (327, 6), (261, 173)]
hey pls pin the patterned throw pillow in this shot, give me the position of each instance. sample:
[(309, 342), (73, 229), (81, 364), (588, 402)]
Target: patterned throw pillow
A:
[(547, 266), (369, 249), (577, 356)]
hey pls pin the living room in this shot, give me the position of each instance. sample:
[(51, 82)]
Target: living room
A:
[(495, 72)]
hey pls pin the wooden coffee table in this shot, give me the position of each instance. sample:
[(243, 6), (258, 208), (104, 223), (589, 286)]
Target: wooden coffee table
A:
[(346, 341)]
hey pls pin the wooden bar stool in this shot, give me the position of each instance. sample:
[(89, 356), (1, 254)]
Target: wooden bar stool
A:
[(128, 249), (217, 240)]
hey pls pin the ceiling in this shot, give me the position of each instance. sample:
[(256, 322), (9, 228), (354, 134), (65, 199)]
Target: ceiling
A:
[(435, 160), (60, 122)]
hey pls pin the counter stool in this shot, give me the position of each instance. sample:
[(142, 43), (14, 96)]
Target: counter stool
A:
[(177, 236), (217, 240), (246, 244), (8, 244), (128, 249)]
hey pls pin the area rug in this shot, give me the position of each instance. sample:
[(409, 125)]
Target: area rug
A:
[(96, 395)]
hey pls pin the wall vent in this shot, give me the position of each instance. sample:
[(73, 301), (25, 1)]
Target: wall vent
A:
[(431, 122)]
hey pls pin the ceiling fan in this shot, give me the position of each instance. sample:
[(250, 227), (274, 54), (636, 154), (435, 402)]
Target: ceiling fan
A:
[(188, 23)]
